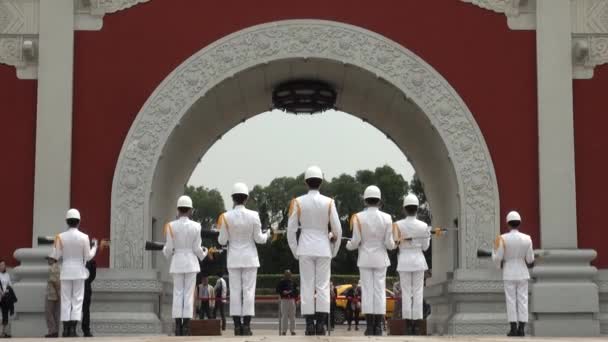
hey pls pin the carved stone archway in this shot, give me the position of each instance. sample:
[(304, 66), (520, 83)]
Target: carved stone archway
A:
[(162, 112)]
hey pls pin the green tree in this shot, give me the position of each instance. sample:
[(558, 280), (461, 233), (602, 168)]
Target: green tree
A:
[(208, 205)]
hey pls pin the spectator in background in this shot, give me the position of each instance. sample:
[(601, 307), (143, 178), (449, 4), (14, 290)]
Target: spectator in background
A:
[(221, 292), (397, 300), (91, 266), (7, 299), (206, 293), (333, 295), (288, 293), (353, 306), (52, 306)]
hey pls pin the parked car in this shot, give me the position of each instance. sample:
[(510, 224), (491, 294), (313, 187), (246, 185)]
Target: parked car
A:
[(340, 314)]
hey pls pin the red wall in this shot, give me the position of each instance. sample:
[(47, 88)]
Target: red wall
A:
[(18, 113), (590, 123), (117, 68)]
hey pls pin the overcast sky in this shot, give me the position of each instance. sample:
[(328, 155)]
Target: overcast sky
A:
[(275, 144)]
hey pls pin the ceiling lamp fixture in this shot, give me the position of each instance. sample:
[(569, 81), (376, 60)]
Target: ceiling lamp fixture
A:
[(304, 97)]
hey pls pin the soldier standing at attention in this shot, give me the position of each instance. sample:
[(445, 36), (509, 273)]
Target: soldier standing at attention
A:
[(514, 254), (241, 229), (183, 247), (311, 214)]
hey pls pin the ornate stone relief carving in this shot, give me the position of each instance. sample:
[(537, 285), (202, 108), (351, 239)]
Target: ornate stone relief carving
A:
[(265, 43), (18, 36), (89, 13), (520, 13)]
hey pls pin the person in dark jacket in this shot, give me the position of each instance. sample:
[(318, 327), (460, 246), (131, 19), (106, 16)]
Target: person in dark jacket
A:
[(353, 305), (288, 293), (7, 299), (86, 305)]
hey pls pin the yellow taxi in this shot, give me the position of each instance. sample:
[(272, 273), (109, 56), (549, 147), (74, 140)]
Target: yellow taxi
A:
[(340, 314)]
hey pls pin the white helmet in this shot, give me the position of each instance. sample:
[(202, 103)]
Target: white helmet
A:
[(72, 214), (184, 202), (240, 188), (372, 191), (410, 199), (513, 216), (313, 172)]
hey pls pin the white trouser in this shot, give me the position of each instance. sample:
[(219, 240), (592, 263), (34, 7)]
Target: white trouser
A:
[(183, 295), (72, 296), (242, 291), (516, 295), (314, 277), (412, 284), (373, 290)]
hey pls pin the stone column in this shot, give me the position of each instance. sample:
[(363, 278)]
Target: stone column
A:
[(54, 117), (564, 298)]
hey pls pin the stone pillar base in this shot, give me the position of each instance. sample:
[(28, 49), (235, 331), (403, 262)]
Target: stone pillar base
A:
[(470, 302), (565, 299), (124, 302)]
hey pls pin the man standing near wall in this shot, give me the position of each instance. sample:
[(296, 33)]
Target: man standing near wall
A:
[(52, 305), (74, 248), (221, 292), (512, 251)]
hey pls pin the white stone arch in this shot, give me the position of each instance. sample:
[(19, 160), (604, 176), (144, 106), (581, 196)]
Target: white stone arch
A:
[(162, 112)]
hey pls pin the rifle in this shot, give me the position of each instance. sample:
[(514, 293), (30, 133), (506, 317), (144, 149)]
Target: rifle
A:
[(486, 253), (158, 246), (49, 240), (432, 231)]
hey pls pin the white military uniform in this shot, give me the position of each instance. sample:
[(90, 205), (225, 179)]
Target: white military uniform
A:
[(183, 246), (312, 213), (372, 235), (513, 250), (243, 229), (412, 264), (74, 247)]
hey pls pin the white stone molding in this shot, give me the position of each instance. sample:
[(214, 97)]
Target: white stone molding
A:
[(162, 112), (19, 36), (520, 13), (90, 13)]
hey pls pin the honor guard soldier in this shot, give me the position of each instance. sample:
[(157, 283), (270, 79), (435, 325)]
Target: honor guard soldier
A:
[(373, 236), (312, 214), (183, 247), (73, 247), (241, 229), (413, 237), (514, 254)]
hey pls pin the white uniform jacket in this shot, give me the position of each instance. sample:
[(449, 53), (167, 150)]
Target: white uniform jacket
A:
[(243, 229), (515, 249), (183, 245), (74, 247), (411, 256), (373, 235), (312, 213)]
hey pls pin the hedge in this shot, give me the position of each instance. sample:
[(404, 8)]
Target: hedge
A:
[(266, 283)]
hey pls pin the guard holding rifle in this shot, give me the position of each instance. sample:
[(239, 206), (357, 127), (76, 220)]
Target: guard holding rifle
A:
[(312, 214), (74, 249), (241, 229), (514, 254), (372, 236), (413, 237), (183, 247)]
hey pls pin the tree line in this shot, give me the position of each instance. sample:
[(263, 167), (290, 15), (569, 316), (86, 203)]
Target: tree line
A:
[(272, 202)]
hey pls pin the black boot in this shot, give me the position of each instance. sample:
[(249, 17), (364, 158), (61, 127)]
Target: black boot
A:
[(521, 329), (418, 326), (73, 326), (409, 327), (513, 331), (247, 326), (178, 327), (370, 321), (237, 325), (66, 329), (310, 325), (186, 327), (378, 325), (321, 322)]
